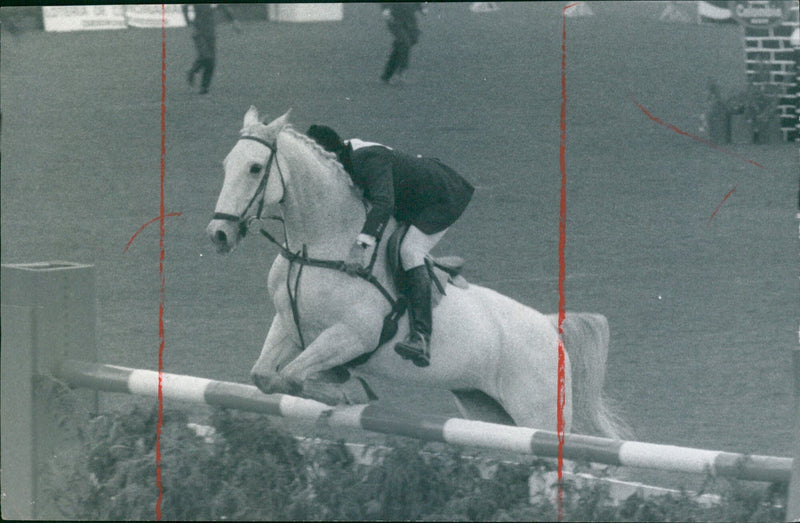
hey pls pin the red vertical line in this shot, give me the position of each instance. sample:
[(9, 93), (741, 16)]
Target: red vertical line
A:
[(162, 291), (562, 239)]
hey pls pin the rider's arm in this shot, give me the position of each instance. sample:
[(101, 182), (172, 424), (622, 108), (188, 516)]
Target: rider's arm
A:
[(374, 169)]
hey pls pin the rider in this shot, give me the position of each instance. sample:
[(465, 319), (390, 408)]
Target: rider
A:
[(421, 192)]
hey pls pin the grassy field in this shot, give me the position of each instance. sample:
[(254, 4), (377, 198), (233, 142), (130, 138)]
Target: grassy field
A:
[(703, 313)]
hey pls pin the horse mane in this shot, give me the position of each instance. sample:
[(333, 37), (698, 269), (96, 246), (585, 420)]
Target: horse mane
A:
[(268, 134)]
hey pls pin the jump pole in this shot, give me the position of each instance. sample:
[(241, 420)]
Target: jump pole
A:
[(522, 440)]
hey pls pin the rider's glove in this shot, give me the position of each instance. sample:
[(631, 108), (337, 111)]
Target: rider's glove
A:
[(355, 258)]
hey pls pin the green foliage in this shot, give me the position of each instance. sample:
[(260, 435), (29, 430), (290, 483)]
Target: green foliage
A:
[(251, 471)]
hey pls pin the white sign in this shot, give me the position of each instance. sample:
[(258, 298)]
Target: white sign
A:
[(83, 17), (305, 12), (151, 15), (763, 13), (95, 17)]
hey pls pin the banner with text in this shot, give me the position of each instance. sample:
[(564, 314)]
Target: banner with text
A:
[(98, 17), (83, 17), (150, 15)]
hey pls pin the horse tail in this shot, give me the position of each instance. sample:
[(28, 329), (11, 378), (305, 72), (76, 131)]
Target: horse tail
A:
[(586, 340)]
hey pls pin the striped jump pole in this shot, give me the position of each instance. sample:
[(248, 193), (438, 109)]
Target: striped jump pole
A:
[(456, 431)]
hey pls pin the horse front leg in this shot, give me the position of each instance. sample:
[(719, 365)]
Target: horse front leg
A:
[(337, 345), (278, 350)]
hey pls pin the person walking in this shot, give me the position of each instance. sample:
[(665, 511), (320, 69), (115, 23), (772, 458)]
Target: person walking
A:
[(200, 17), (401, 19), (422, 192)]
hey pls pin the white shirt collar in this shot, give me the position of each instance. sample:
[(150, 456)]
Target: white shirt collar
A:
[(357, 143)]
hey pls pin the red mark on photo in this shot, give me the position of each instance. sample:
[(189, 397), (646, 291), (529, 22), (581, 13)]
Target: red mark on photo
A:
[(562, 239), (143, 227), (720, 205), (693, 137), (162, 291)]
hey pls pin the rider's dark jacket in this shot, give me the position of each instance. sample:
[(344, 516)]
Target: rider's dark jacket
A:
[(422, 192)]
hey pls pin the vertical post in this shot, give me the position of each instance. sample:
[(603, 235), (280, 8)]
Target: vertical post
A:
[(48, 315), (17, 411), (793, 504)]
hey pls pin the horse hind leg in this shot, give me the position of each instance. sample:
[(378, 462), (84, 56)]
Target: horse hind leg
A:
[(476, 405)]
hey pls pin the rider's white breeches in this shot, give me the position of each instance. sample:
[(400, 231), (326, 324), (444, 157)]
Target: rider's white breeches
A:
[(416, 245)]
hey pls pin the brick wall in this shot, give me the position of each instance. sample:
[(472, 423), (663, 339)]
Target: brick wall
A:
[(771, 58)]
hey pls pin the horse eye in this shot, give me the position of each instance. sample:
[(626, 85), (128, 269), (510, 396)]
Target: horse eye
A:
[(255, 168)]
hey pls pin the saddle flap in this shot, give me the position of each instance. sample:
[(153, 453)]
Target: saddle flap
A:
[(443, 270)]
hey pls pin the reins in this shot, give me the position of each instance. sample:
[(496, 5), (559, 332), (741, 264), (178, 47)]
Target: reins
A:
[(365, 273)]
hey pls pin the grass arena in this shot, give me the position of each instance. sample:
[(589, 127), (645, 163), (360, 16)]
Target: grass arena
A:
[(703, 312)]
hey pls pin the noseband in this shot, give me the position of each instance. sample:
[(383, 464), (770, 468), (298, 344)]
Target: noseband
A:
[(241, 220)]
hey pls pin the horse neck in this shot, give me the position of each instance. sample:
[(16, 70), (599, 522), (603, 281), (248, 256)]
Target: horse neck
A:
[(324, 216)]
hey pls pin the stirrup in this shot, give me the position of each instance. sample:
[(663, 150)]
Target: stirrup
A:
[(418, 356)]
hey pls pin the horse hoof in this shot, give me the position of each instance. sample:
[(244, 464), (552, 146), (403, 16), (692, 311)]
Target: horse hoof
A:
[(260, 383), (276, 384), (323, 392)]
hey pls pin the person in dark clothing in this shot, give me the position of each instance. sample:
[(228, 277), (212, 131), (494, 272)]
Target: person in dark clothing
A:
[(421, 192), (200, 18), (401, 19)]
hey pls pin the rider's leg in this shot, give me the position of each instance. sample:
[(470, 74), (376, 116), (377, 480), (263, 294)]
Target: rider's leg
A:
[(208, 55), (391, 62), (416, 346), (413, 250), (208, 72)]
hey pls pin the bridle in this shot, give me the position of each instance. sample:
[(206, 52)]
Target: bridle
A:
[(242, 220)]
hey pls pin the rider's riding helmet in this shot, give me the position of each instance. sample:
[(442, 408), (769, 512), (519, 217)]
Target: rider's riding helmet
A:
[(326, 137)]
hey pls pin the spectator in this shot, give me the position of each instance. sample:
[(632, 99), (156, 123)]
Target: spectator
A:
[(200, 18), (401, 19)]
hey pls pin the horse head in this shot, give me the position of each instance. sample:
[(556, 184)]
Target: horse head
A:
[(271, 164), (250, 179)]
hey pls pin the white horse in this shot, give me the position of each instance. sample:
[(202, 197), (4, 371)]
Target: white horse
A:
[(499, 357)]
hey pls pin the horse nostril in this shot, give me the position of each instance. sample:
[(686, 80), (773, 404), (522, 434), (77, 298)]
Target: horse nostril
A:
[(221, 237)]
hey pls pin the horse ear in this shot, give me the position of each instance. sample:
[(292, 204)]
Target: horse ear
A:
[(283, 120), (251, 117)]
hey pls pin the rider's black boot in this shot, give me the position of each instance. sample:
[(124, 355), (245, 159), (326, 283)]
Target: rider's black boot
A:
[(416, 346)]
